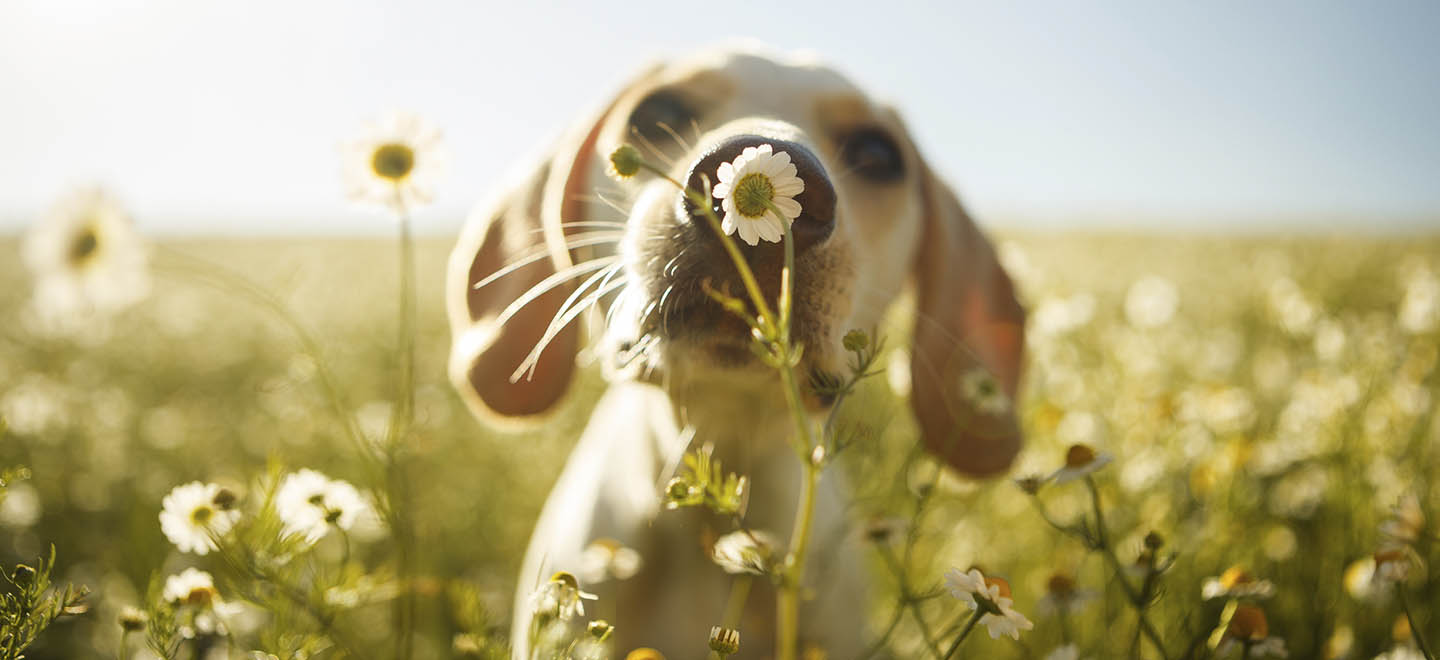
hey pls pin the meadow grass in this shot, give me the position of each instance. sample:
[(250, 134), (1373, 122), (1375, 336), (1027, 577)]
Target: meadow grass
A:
[(1270, 421)]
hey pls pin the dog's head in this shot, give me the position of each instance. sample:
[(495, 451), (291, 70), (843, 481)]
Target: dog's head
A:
[(873, 216)]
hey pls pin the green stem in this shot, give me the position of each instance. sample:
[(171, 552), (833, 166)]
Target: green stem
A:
[(735, 607), (969, 626), (397, 483), (1102, 543), (1415, 630)]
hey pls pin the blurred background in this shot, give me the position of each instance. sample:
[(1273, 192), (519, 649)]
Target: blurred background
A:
[(223, 118), (1223, 218)]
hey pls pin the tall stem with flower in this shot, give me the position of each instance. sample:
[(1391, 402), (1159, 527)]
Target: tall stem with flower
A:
[(771, 330)]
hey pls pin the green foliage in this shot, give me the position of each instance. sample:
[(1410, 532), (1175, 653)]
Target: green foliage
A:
[(703, 482), (29, 605)]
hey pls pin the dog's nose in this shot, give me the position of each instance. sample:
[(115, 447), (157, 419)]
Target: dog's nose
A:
[(817, 201)]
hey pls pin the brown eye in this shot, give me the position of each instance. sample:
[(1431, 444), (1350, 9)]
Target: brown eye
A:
[(663, 108), (873, 154)]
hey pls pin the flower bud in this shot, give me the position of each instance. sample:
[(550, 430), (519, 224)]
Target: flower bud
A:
[(132, 620), (625, 162), (725, 641), (23, 576), (856, 340)]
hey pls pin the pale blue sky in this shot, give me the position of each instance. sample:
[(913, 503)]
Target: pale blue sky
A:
[(224, 116)]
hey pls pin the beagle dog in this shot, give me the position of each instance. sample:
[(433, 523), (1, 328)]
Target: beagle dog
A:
[(681, 373)]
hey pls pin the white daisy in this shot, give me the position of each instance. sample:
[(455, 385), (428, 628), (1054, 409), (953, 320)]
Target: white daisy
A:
[(396, 163), (744, 551), (1080, 460), (758, 178), (86, 259), (1235, 582), (190, 515), (605, 559), (1395, 564), (1248, 627), (309, 502), (560, 598), (1066, 652), (190, 587), (991, 596), (984, 392)]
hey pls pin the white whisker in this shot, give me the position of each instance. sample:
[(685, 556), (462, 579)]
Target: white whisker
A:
[(571, 242), (527, 367), (645, 142), (678, 140), (556, 279)]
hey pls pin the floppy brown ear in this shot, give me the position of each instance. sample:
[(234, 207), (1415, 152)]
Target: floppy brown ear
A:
[(524, 221), (969, 335)]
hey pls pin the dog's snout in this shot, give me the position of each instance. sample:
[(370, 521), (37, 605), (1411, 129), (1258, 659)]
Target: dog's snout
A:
[(817, 201)]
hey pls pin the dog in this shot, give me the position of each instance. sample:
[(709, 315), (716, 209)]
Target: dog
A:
[(874, 220)]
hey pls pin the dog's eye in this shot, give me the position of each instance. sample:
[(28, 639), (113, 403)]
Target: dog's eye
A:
[(658, 112), (873, 154)]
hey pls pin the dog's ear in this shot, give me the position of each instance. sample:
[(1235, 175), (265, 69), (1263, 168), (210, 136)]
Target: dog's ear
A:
[(526, 221), (969, 335)]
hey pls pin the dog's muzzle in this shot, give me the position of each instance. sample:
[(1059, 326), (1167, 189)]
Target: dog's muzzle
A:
[(817, 202)]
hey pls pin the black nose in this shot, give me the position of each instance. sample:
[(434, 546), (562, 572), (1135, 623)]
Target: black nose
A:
[(817, 201)]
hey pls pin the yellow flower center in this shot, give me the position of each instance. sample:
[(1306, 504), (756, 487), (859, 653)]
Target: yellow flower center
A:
[(1003, 586), (201, 596), (202, 515), (84, 246), (1063, 586), (1079, 456), (393, 161), (1248, 623), (566, 579), (1235, 576), (753, 193)]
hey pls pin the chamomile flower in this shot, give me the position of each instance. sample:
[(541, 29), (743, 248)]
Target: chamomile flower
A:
[(1062, 595), (560, 598), (983, 391), (395, 163), (1406, 523), (1066, 652), (744, 551), (202, 609), (1248, 628), (309, 502), (1236, 582), (86, 258), (1080, 460), (990, 596), (748, 186), (1396, 564), (605, 559), (190, 514), (190, 587)]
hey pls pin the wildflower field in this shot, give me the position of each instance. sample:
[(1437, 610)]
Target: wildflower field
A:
[(1231, 448)]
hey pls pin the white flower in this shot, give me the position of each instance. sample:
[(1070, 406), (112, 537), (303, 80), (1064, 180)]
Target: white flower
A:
[(991, 596), (1395, 564), (1401, 653), (1080, 460), (606, 558), (189, 516), (758, 178), (308, 502), (1151, 302), (1062, 595), (395, 163), (191, 587), (983, 391), (560, 598), (1066, 652), (744, 551), (1235, 582), (1406, 522), (87, 260)]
